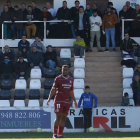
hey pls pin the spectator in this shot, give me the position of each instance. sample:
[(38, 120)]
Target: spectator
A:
[(88, 10), (21, 68), (51, 10), (36, 59), (7, 69), (127, 45), (1, 22), (64, 29), (129, 8), (95, 23), (98, 12), (8, 52), (23, 47), (87, 98), (137, 71), (8, 3), (110, 4), (23, 9), (30, 26), (40, 47), (6, 16), (17, 15), (74, 11), (135, 88), (125, 100), (109, 21), (50, 58), (79, 47), (81, 22)]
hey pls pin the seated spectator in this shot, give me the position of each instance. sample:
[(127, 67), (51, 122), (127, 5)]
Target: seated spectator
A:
[(9, 52), (17, 15), (135, 88), (36, 59), (95, 23), (88, 10), (127, 45), (50, 58), (23, 47), (40, 47), (6, 69), (6, 16), (30, 26), (98, 12), (79, 47), (8, 3), (21, 68), (125, 100)]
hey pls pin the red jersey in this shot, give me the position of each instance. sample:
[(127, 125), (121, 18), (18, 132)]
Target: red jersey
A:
[(63, 87)]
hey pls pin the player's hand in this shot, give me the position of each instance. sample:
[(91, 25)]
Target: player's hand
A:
[(48, 102), (75, 105)]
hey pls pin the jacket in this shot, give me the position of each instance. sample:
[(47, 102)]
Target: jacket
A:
[(40, 47), (136, 73), (18, 17), (85, 21), (130, 63), (36, 58), (37, 14), (88, 100), (22, 45), (6, 16), (74, 11), (21, 67), (89, 12), (24, 12), (135, 24), (127, 45), (81, 43), (109, 18), (134, 86), (6, 68), (125, 101)]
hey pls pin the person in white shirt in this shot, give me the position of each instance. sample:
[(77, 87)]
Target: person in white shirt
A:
[(95, 23), (51, 10)]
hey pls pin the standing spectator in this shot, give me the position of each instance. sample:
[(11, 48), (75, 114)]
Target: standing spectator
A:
[(95, 23), (98, 12), (36, 59), (129, 8), (17, 15), (30, 26), (6, 16), (88, 10), (109, 21), (79, 47), (51, 10), (6, 69), (23, 9), (125, 100), (8, 52), (21, 68), (8, 3), (87, 98), (40, 47), (81, 22), (74, 11), (127, 45), (110, 4), (64, 28), (135, 87), (50, 58), (23, 47), (137, 71)]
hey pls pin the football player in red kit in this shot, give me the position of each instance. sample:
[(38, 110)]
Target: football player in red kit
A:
[(63, 86)]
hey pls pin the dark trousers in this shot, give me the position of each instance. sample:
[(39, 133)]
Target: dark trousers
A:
[(79, 50), (87, 112), (8, 76), (135, 98), (25, 76)]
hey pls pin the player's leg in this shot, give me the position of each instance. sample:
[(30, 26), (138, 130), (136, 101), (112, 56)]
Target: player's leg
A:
[(85, 119), (89, 117)]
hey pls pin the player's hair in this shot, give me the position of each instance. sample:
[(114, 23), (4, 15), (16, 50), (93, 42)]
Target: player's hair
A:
[(64, 1), (110, 3), (65, 66), (81, 7), (87, 87), (77, 1), (125, 94)]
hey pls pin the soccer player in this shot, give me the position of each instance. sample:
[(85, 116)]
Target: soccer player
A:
[(63, 86)]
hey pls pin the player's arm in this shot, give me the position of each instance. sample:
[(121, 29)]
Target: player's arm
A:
[(73, 98), (52, 92)]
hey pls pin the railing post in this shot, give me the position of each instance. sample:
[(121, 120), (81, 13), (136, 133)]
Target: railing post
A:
[(2, 30), (122, 28), (44, 29)]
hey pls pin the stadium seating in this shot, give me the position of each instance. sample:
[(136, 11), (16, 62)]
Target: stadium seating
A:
[(65, 61), (19, 94), (79, 63), (129, 91), (35, 84), (19, 103), (50, 73), (77, 103), (127, 58), (48, 83), (128, 72), (131, 102), (34, 94), (75, 56), (5, 94), (46, 93), (35, 73), (33, 103), (65, 53), (25, 59), (4, 103), (79, 73), (79, 84), (20, 84), (127, 82), (50, 103), (78, 93), (6, 84)]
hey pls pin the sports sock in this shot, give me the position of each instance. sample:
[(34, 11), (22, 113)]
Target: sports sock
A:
[(60, 130), (55, 129)]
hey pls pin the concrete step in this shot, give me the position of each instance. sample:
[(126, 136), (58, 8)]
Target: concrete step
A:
[(107, 94), (109, 104), (103, 54), (109, 100), (102, 64)]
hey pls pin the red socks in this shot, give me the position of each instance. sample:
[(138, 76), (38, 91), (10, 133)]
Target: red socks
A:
[(55, 129), (60, 130)]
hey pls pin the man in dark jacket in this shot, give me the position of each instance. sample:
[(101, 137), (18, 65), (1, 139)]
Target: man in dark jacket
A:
[(23, 47), (81, 22), (50, 58), (7, 69), (17, 15), (87, 98), (64, 29), (8, 3), (6, 16), (21, 68), (9, 52), (23, 9), (36, 59), (129, 8)]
